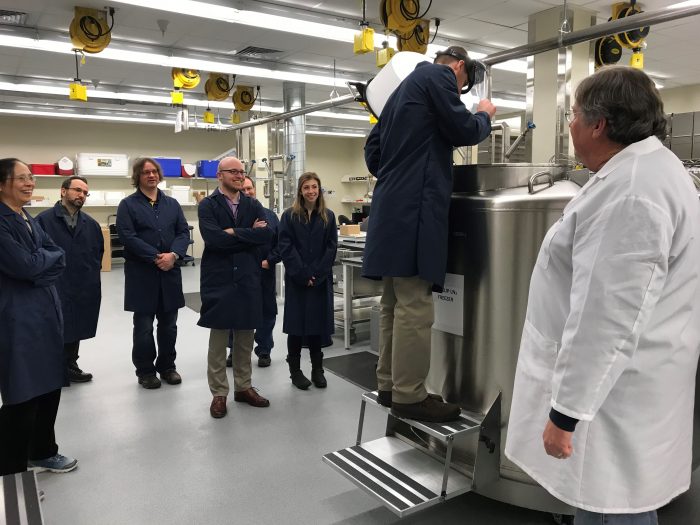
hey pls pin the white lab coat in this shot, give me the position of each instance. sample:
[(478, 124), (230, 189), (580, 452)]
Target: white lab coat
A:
[(612, 336)]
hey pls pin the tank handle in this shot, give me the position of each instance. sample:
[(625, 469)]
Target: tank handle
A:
[(531, 183)]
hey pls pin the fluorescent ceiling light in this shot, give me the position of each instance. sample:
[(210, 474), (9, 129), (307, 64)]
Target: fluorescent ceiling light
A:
[(681, 5), (336, 133), (83, 116), (257, 19), (143, 120), (139, 57), (346, 116), (162, 99)]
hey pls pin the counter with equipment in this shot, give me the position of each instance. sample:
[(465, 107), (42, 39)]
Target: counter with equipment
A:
[(358, 294)]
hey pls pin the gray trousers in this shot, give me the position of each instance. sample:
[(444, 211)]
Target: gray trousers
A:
[(583, 517), (405, 322)]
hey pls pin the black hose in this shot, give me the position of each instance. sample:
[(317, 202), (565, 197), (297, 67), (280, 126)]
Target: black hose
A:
[(413, 14), (87, 20)]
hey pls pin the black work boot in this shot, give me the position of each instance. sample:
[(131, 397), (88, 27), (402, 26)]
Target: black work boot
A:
[(317, 370), (299, 380)]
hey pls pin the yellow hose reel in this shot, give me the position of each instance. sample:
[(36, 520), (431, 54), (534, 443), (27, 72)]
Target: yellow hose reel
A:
[(217, 87), (89, 31), (244, 98), (400, 16), (417, 40), (633, 39), (185, 78)]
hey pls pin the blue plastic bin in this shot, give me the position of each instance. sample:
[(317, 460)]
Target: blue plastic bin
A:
[(170, 167), (207, 168)]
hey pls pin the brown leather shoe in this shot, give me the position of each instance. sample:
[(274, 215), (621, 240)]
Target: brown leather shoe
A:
[(218, 407), (251, 397)]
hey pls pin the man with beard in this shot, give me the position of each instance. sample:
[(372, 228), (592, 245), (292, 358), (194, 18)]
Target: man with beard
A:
[(233, 227), (269, 257), (79, 287)]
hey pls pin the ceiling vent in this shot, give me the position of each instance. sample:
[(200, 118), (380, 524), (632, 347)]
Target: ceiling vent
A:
[(13, 18), (257, 52)]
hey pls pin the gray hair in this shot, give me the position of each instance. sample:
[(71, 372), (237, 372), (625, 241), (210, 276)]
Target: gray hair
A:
[(627, 99)]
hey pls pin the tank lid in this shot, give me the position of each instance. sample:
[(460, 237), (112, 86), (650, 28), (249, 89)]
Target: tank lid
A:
[(474, 178)]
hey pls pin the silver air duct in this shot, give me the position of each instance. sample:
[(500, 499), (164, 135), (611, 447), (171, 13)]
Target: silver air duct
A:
[(294, 137)]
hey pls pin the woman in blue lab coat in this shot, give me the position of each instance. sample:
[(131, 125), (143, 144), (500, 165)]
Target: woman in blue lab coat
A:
[(32, 369), (308, 239)]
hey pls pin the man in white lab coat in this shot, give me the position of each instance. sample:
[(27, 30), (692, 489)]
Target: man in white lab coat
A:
[(602, 408)]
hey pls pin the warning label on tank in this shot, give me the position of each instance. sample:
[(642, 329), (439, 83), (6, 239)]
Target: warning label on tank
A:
[(449, 305)]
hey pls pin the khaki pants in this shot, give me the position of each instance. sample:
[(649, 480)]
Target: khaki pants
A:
[(405, 321), (216, 360)]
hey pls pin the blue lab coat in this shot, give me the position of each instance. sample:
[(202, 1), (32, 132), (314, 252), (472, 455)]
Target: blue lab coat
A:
[(410, 152), (79, 287), (145, 232), (31, 325), (308, 249), (230, 286)]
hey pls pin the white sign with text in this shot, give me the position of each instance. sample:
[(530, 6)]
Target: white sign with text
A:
[(449, 305)]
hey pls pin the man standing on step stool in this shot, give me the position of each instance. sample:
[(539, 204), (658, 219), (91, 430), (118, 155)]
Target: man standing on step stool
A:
[(410, 152)]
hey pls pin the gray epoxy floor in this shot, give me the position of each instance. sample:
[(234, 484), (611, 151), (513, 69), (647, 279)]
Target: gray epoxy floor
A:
[(157, 457)]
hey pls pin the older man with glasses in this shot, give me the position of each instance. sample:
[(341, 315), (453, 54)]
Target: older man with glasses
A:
[(233, 227), (79, 288)]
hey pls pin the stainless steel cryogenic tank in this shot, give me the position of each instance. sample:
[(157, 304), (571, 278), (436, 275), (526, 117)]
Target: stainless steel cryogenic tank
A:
[(499, 215)]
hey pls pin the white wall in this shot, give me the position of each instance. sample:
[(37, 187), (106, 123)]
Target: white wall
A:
[(332, 158), (681, 100)]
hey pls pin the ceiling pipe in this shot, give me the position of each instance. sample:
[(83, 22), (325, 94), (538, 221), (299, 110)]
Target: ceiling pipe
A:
[(339, 101), (584, 35)]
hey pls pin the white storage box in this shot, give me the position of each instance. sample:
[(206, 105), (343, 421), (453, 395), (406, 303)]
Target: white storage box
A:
[(96, 198), (96, 164), (113, 198), (181, 194)]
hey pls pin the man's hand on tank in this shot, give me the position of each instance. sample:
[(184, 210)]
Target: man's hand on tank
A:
[(486, 105)]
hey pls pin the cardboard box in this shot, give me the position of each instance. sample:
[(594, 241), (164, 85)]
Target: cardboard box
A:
[(349, 229)]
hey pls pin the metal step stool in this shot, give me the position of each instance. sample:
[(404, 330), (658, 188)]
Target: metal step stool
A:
[(19, 500), (407, 478)]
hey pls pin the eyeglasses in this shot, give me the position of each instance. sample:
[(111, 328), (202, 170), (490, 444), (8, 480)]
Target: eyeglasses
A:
[(23, 178), (570, 115), (239, 173), (80, 190), (149, 172)]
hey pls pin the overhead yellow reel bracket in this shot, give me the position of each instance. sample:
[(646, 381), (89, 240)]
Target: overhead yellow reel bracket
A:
[(89, 31), (244, 98)]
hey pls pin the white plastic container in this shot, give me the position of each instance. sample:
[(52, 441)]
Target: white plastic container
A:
[(113, 198), (181, 194), (388, 79), (98, 164), (96, 198)]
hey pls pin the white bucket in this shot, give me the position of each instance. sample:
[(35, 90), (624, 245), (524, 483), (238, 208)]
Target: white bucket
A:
[(388, 79)]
